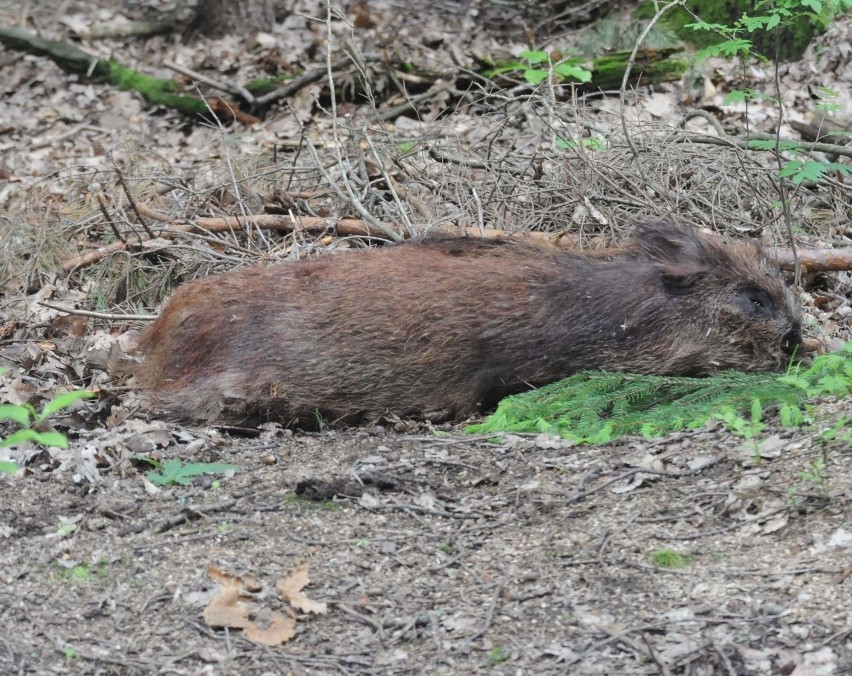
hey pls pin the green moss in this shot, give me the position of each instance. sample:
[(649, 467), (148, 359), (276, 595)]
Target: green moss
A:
[(605, 72), (154, 90), (267, 84), (608, 71)]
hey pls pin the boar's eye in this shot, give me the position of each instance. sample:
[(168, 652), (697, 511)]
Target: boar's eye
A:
[(755, 302)]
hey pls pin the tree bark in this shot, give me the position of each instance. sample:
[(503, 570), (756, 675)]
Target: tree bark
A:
[(214, 18)]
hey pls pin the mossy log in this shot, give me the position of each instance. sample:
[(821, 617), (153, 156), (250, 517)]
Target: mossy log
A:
[(71, 59), (650, 66)]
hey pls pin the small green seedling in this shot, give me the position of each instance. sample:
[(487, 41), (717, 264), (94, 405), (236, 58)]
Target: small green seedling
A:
[(29, 419), (815, 474), (175, 472), (71, 654), (66, 529), (592, 143), (669, 558), (498, 654), (747, 428), (793, 496), (838, 431), (536, 65)]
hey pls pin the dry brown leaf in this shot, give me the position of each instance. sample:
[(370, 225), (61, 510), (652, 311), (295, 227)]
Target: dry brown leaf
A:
[(228, 609), (232, 606), (236, 607), (246, 582), (271, 628), (290, 587)]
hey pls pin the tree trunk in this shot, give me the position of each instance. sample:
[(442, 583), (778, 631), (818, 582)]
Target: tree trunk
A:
[(222, 17)]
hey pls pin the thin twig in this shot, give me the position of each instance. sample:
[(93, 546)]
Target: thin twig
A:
[(99, 315), (353, 199), (109, 220), (223, 84), (623, 90), (126, 189)]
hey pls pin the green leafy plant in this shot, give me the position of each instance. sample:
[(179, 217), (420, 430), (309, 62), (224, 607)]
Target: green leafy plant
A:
[(815, 473), (747, 428), (174, 472), (535, 66), (592, 143), (597, 407), (800, 170), (84, 573), (66, 529), (793, 496), (31, 422), (841, 430), (785, 25)]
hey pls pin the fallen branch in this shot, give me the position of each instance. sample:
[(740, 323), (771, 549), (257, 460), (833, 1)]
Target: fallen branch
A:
[(155, 91), (223, 84), (814, 260), (344, 226), (302, 81), (811, 260), (98, 315), (744, 143)]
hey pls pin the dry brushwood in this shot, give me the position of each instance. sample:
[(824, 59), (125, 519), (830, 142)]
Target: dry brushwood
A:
[(811, 260)]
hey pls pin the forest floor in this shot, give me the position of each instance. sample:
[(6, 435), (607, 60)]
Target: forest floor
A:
[(434, 551)]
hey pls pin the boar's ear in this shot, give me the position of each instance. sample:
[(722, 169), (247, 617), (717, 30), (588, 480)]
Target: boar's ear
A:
[(680, 256)]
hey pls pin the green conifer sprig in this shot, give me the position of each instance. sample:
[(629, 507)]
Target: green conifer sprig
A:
[(596, 406)]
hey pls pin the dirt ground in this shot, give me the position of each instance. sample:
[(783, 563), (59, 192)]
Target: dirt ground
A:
[(434, 551), (451, 554)]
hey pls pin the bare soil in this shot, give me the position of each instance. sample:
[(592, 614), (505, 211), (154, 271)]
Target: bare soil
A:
[(451, 554)]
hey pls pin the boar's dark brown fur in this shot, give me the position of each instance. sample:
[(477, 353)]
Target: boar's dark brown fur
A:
[(445, 327)]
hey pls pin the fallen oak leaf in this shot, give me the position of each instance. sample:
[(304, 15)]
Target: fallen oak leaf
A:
[(271, 628), (246, 582), (234, 603), (290, 587), (236, 607), (228, 609)]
